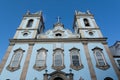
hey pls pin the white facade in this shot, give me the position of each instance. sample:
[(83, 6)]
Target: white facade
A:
[(115, 49), (58, 54)]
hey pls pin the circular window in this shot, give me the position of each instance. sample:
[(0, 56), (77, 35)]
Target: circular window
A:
[(25, 34), (91, 33)]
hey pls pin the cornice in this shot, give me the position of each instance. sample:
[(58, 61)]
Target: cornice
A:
[(27, 29), (89, 28), (32, 15), (102, 40)]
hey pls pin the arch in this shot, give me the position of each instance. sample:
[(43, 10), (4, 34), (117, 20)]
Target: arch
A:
[(30, 22), (58, 75)]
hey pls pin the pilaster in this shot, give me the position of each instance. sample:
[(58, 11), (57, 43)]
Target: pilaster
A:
[(6, 57), (27, 60), (90, 65), (112, 61)]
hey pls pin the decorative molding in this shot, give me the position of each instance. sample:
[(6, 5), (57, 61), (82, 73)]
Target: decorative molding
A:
[(76, 67), (40, 68), (105, 67), (103, 40), (58, 74)]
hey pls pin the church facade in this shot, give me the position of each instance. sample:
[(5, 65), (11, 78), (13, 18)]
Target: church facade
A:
[(58, 54)]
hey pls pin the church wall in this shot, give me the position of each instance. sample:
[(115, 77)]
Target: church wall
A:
[(32, 73), (15, 75), (98, 71)]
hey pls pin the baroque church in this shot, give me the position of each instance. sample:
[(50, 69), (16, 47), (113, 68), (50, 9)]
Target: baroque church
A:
[(59, 53)]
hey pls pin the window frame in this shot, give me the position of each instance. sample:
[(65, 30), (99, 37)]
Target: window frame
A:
[(103, 67), (14, 68), (71, 59), (62, 66), (42, 67)]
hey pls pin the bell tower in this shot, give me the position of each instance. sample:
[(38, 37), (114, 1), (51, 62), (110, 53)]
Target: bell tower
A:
[(85, 25), (31, 25)]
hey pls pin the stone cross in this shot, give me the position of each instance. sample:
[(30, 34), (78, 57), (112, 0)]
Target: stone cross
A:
[(58, 19)]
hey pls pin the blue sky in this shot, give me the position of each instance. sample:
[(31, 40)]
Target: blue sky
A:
[(106, 13)]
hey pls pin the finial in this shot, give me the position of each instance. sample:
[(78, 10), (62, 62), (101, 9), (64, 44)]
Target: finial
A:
[(88, 12), (76, 11), (58, 19), (28, 12), (40, 12)]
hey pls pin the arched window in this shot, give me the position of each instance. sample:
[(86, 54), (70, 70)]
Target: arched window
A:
[(30, 23), (75, 59), (40, 62), (108, 78), (58, 59), (100, 59), (16, 59), (86, 22)]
